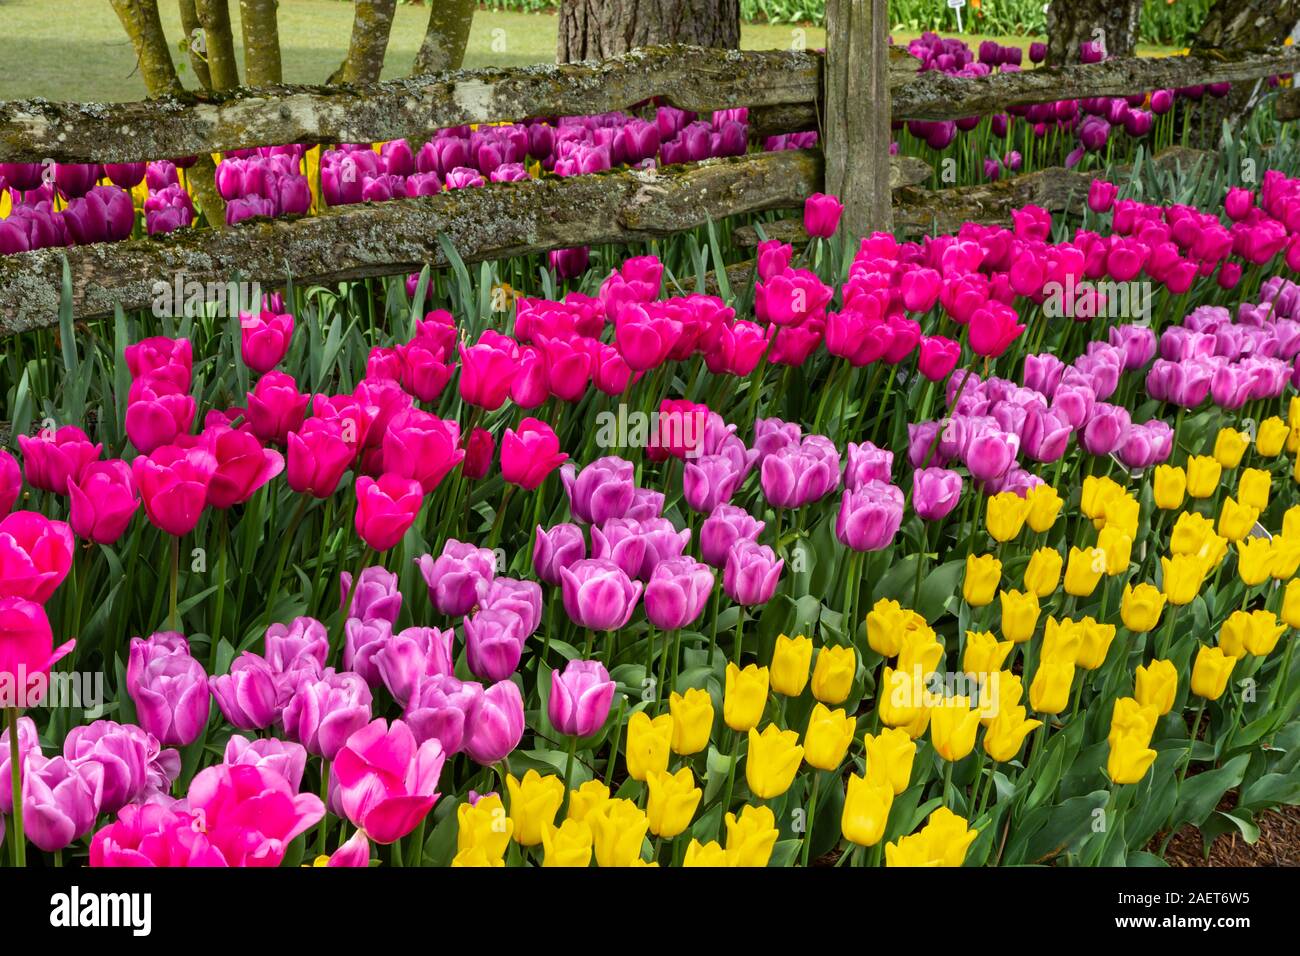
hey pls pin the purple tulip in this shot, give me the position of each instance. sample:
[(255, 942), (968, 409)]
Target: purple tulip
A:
[(376, 595), (662, 542), (677, 591), (497, 726), (494, 642), (362, 643), (598, 595), (1105, 429), (169, 688), (1044, 434), (302, 645), (29, 746), (869, 517), (935, 492), (442, 708), (60, 800), (249, 695), (601, 491), (867, 463), (722, 528), (646, 504), (752, 572), (459, 577), (556, 548), (795, 476), (324, 712), (709, 481), (123, 753), (523, 598), (1145, 445), (991, 453), (410, 655), (580, 698), (772, 434), (621, 542), (286, 758)]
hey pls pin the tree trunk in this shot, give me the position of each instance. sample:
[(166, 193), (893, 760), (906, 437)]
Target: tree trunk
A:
[(261, 42), (219, 42), (142, 24), (446, 37), (856, 125), (597, 29), (372, 24), (1238, 25), (1072, 22), (195, 43)]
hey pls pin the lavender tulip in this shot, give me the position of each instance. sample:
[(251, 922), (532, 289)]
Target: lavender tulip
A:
[(249, 695), (524, 598), (286, 758), (751, 573), (935, 492), (677, 591), (494, 642), (169, 688), (376, 595), (601, 491), (459, 577), (869, 517), (709, 481), (598, 595), (498, 724), (60, 800), (557, 548), (580, 698), (442, 708), (323, 713), (621, 542), (410, 655), (722, 528), (362, 642), (122, 753)]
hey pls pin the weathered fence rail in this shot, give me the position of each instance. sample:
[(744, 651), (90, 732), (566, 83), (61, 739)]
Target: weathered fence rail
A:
[(781, 87)]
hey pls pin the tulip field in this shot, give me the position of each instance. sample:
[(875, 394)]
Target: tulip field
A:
[(972, 548)]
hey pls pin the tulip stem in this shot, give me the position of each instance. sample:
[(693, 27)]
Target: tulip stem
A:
[(740, 633), (1166, 633), (731, 780), (568, 769), (947, 783), (173, 620), (323, 828), (713, 633), (17, 835), (812, 813), (214, 635), (1191, 741)]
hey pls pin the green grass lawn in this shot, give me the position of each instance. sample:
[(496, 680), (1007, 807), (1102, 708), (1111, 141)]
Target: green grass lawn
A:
[(76, 49)]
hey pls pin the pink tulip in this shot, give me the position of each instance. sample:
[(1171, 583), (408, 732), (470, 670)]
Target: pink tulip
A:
[(821, 215), (386, 509), (497, 725), (243, 466), (276, 407), (50, 460), (152, 834), (173, 483), (580, 698), (487, 369), (530, 453), (11, 482), (319, 455), (264, 339), (161, 358), (422, 446), (27, 651), (103, 501), (157, 413), (168, 687), (284, 758), (387, 783), (250, 814)]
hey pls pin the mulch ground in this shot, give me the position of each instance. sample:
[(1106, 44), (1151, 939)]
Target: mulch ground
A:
[(1278, 844)]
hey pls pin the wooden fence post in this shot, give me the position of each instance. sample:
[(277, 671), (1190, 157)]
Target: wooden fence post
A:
[(856, 124)]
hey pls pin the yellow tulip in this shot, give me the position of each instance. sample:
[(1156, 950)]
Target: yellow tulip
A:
[(827, 737), (1129, 759), (1190, 534), (866, 811), (745, 697), (1117, 548), (534, 801), (773, 760), (1170, 487), (586, 798), (1002, 692), (1043, 572), (1292, 439), (943, 841), (671, 801), (953, 726), (1182, 577), (568, 845), (1236, 520), (1049, 693), (1291, 522), (1211, 671), (1265, 631), (751, 836), (1006, 515), (1122, 515), (1130, 717), (791, 661), (1044, 507), (484, 824), (1254, 560), (984, 653), (1083, 571), (983, 572), (1157, 686), (1097, 638), (1285, 561), (1272, 437), (1006, 732), (1096, 492), (475, 856), (1140, 607), (886, 622), (692, 714), (833, 674), (1253, 488), (921, 650), (648, 744), (1229, 446), (1062, 639), (1203, 474), (890, 754), (709, 854), (1293, 412), (1233, 633), (901, 700), (1291, 603), (1020, 610), (618, 829)]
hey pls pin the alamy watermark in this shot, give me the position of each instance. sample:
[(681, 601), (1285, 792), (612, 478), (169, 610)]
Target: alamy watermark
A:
[(1098, 300), (677, 431), (76, 689), (183, 297)]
